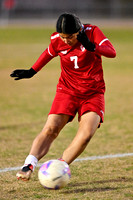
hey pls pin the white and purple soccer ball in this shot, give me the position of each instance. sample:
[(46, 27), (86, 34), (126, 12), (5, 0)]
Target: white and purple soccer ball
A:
[(54, 174)]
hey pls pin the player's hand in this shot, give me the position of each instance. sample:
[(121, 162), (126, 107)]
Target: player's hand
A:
[(22, 73), (84, 40)]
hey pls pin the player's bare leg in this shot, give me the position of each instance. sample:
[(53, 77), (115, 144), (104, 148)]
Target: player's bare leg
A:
[(87, 127), (50, 131), (43, 141)]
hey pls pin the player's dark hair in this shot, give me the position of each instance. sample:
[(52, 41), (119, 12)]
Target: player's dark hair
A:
[(68, 24)]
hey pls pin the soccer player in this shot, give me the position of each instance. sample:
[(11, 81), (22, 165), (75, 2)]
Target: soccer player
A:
[(80, 88)]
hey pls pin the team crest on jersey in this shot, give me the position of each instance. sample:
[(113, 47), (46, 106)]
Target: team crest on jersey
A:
[(64, 52), (82, 48)]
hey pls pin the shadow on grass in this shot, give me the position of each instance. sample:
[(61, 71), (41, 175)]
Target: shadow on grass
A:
[(97, 189), (119, 179)]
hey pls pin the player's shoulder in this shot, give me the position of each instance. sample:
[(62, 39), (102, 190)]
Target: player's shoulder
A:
[(54, 36), (56, 41), (89, 27)]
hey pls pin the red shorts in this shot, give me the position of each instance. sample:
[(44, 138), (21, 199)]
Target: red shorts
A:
[(70, 105)]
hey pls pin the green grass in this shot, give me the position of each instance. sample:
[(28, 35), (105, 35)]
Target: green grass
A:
[(24, 106)]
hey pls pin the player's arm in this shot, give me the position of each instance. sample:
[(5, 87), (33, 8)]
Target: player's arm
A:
[(45, 57), (101, 45), (106, 49)]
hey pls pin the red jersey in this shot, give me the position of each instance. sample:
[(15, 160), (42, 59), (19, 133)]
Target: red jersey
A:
[(81, 70)]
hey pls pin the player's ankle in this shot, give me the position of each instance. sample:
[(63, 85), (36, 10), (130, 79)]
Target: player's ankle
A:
[(31, 160), (28, 167)]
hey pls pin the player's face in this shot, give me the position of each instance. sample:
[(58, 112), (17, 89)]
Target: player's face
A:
[(70, 39)]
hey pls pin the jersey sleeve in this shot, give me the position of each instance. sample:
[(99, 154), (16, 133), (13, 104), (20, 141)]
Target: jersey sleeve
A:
[(103, 45), (44, 58)]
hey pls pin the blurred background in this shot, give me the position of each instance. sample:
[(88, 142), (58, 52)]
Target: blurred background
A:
[(47, 11)]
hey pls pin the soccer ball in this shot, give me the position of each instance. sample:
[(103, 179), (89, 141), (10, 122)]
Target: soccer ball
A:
[(54, 174)]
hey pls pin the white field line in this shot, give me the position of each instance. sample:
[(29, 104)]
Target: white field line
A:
[(77, 160)]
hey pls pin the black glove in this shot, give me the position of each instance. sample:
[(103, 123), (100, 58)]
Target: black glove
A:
[(23, 73), (84, 40)]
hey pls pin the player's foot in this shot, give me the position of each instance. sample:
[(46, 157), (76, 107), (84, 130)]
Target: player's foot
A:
[(61, 159), (25, 173)]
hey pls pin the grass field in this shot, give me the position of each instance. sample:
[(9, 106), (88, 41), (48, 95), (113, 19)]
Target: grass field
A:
[(24, 106)]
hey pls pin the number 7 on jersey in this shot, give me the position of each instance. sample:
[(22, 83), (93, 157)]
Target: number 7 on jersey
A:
[(75, 59)]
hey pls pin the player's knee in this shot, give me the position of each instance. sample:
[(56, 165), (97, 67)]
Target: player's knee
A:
[(51, 131), (86, 138)]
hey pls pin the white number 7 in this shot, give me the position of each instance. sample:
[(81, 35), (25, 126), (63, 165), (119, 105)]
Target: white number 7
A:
[(75, 59)]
